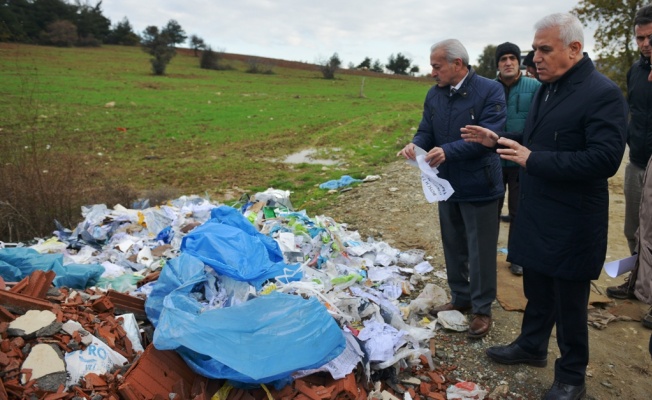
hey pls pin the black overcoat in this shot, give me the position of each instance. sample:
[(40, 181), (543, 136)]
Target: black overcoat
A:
[(576, 132)]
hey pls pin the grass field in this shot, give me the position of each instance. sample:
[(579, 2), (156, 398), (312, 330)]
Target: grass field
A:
[(202, 131)]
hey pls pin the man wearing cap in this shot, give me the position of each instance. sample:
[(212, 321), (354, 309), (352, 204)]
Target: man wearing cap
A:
[(519, 91), (530, 66)]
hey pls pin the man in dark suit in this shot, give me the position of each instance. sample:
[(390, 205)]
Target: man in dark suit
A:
[(574, 139), (468, 219)]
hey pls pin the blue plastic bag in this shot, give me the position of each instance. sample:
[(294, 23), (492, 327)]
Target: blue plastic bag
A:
[(230, 245), (166, 235), (259, 341), (345, 180), (18, 263), (232, 217), (179, 274), (78, 276), (263, 340)]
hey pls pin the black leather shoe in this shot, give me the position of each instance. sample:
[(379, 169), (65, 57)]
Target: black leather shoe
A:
[(513, 354), (516, 269), (562, 391)]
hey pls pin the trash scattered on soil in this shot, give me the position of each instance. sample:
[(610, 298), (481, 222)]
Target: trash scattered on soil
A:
[(255, 299)]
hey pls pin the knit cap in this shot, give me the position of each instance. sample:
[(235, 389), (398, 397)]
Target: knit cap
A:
[(528, 61), (508, 48)]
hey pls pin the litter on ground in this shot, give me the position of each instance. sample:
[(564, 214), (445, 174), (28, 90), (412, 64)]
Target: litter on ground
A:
[(253, 296)]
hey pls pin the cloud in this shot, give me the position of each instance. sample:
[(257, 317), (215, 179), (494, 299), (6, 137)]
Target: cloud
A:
[(310, 31)]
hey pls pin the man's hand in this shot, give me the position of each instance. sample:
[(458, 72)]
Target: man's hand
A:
[(435, 156), (478, 134), (408, 152), (513, 151)]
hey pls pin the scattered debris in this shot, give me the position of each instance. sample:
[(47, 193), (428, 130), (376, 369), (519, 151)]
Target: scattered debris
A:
[(362, 287)]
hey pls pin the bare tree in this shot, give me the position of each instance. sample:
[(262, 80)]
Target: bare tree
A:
[(60, 33)]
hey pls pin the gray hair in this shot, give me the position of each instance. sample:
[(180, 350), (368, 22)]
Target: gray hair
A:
[(570, 27), (454, 49)]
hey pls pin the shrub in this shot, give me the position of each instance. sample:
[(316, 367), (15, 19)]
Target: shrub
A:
[(38, 186), (209, 59), (41, 180), (60, 33), (212, 60), (330, 66), (89, 41), (258, 66)]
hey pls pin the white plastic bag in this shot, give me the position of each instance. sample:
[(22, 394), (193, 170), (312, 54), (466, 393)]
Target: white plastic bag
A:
[(465, 391), (98, 358)]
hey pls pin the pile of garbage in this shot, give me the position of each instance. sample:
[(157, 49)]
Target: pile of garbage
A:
[(254, 295)]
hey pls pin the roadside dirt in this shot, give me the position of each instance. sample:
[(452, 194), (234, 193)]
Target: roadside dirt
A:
[(393, 209)]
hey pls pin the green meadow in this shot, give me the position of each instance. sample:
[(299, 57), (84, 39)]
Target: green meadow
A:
[(199, 131)]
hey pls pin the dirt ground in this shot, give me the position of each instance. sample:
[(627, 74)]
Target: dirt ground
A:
[(393, 209)]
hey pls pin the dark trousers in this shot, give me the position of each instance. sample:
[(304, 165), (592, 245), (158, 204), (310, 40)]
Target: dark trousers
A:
[(564, 303), (469, 234)]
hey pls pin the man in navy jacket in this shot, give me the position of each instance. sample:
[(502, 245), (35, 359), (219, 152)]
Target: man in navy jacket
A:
[(574, 139), (468, 222)]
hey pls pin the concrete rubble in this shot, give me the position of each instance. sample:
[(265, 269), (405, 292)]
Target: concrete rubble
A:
[(365, 286)]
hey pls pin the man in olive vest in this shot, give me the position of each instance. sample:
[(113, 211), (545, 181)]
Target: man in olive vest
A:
[(519, 91)]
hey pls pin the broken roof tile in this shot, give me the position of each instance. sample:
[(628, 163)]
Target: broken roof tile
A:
[(156, 373), (125, 304), (19, 304), (39, 283)]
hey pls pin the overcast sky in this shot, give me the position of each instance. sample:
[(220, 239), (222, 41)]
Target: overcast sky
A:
[(311, 31)]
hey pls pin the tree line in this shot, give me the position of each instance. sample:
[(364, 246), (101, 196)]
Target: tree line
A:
[(60, 23)]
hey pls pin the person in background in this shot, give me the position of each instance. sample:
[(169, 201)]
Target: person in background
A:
[(639, 140), (519, 91), (642, 273), (641, 277), (530, 67), (468, 222), (573, 141)]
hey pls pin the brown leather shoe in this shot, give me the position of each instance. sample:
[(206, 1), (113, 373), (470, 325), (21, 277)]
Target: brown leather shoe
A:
[(448, 307), (479, 326)]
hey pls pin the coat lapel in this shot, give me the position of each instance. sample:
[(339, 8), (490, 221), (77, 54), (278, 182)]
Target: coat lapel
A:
[(555, 93)]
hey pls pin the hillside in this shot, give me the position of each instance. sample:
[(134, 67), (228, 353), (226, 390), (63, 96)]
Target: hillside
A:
[(220, 133)]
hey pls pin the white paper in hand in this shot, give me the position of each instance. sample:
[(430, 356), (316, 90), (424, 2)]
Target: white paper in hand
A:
[(434, 187)]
